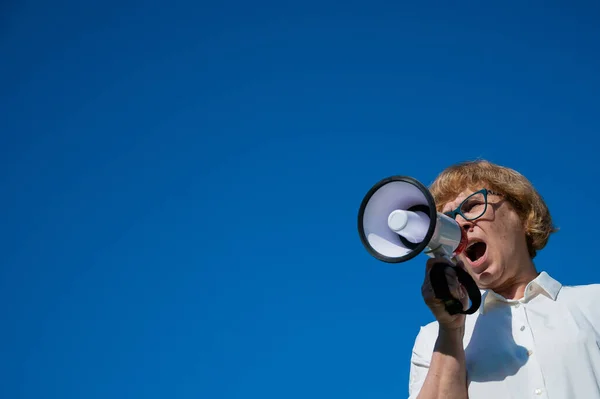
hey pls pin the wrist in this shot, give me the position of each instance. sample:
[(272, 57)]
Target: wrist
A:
[(450, 342), (452, 333)]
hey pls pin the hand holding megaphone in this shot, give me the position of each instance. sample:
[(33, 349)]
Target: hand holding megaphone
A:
[(447, 319), (398, 220)]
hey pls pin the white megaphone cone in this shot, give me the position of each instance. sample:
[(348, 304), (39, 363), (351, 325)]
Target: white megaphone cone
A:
[(398, 220)]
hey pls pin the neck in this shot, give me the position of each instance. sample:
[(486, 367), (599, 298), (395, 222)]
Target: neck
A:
[(514, 287)]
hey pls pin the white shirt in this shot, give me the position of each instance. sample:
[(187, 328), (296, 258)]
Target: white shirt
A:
[(545, 345)]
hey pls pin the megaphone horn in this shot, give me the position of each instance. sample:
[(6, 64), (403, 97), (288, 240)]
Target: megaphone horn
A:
[(398, 219)]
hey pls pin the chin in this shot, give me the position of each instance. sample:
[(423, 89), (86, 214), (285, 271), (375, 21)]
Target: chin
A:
[(483, 274), (486, 278)]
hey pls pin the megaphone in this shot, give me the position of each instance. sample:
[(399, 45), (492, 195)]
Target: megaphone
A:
[(398, 220)]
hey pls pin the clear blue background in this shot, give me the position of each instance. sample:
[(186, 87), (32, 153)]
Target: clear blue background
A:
[(180, 183)]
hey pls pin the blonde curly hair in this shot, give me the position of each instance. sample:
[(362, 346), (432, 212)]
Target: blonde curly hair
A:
[(518, 190)]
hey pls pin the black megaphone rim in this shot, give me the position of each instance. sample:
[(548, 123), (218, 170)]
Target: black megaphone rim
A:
[(432, 217)]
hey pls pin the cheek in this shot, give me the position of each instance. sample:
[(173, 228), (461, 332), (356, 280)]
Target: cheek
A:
[(505, 234), (508, 234), (461, 258)]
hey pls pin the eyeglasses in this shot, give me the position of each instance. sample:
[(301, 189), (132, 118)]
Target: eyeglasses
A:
[(473, 207)]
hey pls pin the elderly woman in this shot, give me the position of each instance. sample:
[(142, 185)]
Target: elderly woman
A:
[(532, 337)]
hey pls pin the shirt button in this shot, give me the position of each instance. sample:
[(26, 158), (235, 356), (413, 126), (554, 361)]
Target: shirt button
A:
[(516, 305), (529, 352), (538, 391), (522, 328)]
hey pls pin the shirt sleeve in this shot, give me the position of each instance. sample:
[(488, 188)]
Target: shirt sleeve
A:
[(420, 360)]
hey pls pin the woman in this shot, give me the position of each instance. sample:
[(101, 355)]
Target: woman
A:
[(531, 337)]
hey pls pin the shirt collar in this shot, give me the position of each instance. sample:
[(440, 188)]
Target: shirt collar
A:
[(542, 284)]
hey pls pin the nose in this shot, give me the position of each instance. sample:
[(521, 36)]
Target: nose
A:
[(466, 225)]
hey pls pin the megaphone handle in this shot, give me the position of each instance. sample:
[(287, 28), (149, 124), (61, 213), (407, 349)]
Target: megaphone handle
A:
[(441, 289)]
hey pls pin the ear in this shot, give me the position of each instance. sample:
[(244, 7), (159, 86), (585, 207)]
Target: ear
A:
[(525, 219)]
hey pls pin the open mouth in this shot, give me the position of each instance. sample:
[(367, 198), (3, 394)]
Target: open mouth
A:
[(476, 252)]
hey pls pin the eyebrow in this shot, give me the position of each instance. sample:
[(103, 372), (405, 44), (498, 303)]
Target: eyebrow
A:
[(450, 208)]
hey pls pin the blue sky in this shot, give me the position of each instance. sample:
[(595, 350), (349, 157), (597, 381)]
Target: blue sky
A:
[(180, 183)]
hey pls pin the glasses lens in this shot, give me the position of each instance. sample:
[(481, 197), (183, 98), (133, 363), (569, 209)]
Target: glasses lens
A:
[(474, 206)]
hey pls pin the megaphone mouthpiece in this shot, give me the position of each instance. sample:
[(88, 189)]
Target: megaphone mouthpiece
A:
[(411, 225)]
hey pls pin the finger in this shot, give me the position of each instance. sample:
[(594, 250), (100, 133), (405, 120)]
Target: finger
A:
[(456, 288), (427, 291), (461, 264), (426, 288)]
